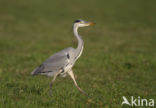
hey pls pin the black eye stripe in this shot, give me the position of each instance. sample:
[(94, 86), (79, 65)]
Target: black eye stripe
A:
[(77, 21)]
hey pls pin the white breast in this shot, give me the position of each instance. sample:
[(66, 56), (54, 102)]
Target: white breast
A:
[(68, 67), (79, 54)]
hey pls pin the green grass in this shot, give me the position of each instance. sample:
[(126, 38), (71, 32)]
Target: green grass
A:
[(119, 57)]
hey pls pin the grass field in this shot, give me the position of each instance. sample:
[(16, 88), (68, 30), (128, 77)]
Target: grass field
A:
[(119, 57)]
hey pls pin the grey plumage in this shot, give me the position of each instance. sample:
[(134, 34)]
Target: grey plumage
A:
[(55, 63), (62, 62)]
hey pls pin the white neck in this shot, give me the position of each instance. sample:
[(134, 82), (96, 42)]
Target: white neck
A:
[(79, 48)]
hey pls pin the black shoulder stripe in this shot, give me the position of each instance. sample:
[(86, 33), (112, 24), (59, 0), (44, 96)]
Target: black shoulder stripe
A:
[(68, 56)]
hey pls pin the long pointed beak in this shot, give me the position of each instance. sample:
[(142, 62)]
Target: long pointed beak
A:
[(91, 23)]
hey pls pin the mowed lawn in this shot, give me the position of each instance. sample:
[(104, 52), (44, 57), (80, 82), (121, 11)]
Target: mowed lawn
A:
[(119, 57)]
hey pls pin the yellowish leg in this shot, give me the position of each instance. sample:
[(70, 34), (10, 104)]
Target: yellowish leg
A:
[(73, 78)]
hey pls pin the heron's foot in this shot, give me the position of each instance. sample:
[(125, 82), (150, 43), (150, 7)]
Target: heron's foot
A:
[(83, 92), (50, 91)]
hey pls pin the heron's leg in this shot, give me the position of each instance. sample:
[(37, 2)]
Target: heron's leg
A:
[(73, 78), (51, 83)]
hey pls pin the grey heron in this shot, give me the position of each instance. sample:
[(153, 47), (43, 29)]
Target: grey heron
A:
[(61, 63)]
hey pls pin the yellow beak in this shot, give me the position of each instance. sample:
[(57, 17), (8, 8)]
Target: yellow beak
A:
[(91, 23)]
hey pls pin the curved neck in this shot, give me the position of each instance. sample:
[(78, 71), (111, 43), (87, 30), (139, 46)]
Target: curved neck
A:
[(79, 48)]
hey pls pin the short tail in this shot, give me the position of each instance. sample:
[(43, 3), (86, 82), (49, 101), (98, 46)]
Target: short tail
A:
[(37, 70)]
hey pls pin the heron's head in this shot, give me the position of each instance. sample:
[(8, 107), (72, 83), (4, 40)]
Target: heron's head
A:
[(82, 23)]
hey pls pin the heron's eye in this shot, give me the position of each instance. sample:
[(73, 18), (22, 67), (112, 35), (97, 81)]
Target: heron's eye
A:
[(77, 21)]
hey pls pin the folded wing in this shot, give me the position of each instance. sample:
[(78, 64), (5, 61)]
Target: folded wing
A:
[(54, 63)]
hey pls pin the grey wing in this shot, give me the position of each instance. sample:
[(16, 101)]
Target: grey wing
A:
[(55, 63)]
